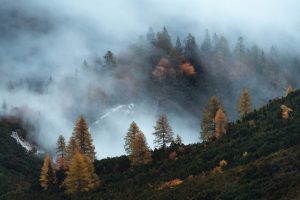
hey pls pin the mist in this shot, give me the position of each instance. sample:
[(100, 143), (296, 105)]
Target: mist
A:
[(44, 47)]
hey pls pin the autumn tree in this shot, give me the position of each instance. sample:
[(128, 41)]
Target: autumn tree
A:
[(140, 154), (81, 175), (288, 90), (47, 175), (132, 131), (163, 132), (61, 153), (244, 104), (208, 117), (221, 123), (285, 111), (71, 149), (84, 139)]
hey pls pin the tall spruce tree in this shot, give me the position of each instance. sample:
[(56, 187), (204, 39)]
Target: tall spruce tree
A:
[(132, 131), (84, 139), (140, 154), (221, 123), (163, 132), (81, 176), (244, 104), (208, 119)]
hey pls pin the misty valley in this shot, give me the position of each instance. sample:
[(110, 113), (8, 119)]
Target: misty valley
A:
[(206, 106)]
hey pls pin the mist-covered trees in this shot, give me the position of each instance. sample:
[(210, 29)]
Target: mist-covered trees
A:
[(140, 153), (61, 153), (245, 103), (130, 136), (109, 59), (81, 176), (163, 132), (83, 138), (47, 175), (208, 119), (288, 90), (221, 123)]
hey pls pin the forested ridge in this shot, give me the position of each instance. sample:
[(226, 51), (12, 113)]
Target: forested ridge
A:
[(257, 158)]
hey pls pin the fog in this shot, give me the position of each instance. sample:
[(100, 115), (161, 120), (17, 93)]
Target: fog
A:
[(49, 40)]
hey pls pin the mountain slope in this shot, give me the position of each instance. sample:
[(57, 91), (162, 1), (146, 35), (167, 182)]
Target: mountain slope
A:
[(262, 154)]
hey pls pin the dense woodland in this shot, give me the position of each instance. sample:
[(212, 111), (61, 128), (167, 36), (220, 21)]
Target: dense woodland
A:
[(256, 157), (253, 157)]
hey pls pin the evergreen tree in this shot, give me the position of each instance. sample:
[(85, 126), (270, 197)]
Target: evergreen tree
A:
[(206, 46), (244, 104), (84, 139), (178, 46), (208, 117), (61, 153), (221, 123), (47, 175), (163, 132), (81, 175), (132, 131), (163, 40), (239, 50), (140, 154), (288, 90), (178, 140), (150, 36), (71, 149), (109, 59)]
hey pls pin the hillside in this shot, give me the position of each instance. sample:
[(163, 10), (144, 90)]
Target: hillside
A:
[(262, 154)]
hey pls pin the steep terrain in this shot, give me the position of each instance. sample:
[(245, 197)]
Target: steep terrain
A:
[(262, 153)]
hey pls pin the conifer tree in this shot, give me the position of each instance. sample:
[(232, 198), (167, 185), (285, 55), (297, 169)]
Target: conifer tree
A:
[(285, 111), (140, 154), (110, 59), (221, 123), (163, 40), (71, 149), (163, 132), (288, 90), (208, 117), (132, 131), (178, 140), (61, 153), (244, 104), (240, 49), (47, 175), (206, 46), (81, 176), (84, 139), (178, 46), (150, 36)]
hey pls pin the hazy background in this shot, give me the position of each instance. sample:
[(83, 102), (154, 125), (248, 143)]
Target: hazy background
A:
[(49, 40)]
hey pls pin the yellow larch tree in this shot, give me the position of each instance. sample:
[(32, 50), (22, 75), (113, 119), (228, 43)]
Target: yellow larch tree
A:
[(81, 175), (245, 103), (47, 174), (221, 123), (140, 154)]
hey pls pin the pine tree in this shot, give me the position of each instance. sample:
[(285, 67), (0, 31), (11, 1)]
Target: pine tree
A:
[(150, 36), (132, 131), (178, 140), (240, 49), (163, 132), (206, 46), (109, 59), (71, 149), (81, 176), (61, 153), (163, 40), (47, 175), (244, 104), (140, 154), (221, 123), (178, 46), (83, 138), (288, 90), (208, 117)]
